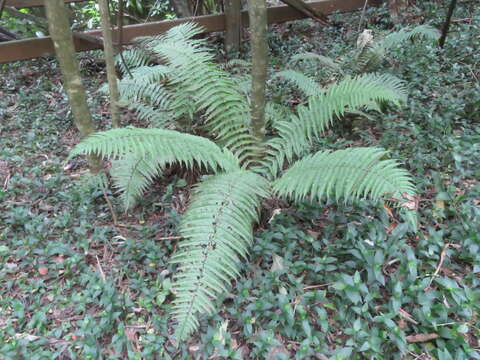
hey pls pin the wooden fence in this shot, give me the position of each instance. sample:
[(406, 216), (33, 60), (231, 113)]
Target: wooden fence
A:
[(37, 47)]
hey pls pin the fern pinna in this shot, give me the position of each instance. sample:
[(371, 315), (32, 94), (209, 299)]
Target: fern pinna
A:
[(217, 227)]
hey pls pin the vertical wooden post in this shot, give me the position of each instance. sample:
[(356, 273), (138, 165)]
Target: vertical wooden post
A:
[(233, 27)]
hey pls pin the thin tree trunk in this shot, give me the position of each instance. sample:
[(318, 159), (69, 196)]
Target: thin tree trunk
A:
[(181, 8), (2, 6), (397, 10), (62, 38), (446, 25), (258, 31), (110, 61)]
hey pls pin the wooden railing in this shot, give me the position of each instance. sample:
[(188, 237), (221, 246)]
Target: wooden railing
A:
[(37, 47)]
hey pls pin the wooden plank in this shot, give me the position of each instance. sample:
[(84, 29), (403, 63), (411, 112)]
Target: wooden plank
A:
[(36, 47), (233, 26), (20, 4)]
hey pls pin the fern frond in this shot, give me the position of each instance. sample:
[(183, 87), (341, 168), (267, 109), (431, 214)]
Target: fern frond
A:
[(133, 174), (217, 229), (371, 56), (397, 38), (369, 59), (167, 145), (348, 174), (150, 74), (296, 135), (134, 58), (208, 89), (303, 82), (324, 61), (238, 63)]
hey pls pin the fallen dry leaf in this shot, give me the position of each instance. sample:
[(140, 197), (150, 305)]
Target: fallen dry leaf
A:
[(422, 337)]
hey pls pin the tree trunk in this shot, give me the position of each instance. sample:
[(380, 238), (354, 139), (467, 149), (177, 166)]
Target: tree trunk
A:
[(110, 61), (258, 31), (62, 38), (181, 8), (397, 10)]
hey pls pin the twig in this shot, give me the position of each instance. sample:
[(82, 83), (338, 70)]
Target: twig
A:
[(114, 215), (104, 278), (440, 262), (168, 238), (310, 287), (362, 17), (6, 182)]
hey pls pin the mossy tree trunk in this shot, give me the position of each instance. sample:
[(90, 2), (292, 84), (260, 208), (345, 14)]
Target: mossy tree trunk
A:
[(62, 38), (258, 33), (110, 61)]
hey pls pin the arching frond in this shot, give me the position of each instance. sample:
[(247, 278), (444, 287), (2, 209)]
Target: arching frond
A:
[(167, 145), (419, 32), (133, 174), (217, 229), (371, 56), (150, 74), (197, 83), (345, 174), (296, 135), (306, 84), (134, 58), (324, 61)]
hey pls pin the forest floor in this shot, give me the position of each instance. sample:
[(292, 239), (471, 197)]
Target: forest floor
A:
[(323, 281)]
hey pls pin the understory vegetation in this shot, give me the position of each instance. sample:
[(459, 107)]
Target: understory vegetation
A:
[(325, 281)]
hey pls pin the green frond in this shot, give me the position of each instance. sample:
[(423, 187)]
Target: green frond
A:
[(150, 74), (371, 56), (197, 85), (304, 83), (217, 232), (348, 174), (419, 32), (369, 59), (167, 145), (133, 174), (134, 58), (238, 63), (324, 61), (296, 134)]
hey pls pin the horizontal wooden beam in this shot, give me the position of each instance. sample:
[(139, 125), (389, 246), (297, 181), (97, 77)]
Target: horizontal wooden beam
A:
[(21, 4), (36, 47)]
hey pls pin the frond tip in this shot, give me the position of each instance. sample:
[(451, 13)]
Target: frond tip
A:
[(217, 229), (345, 174)]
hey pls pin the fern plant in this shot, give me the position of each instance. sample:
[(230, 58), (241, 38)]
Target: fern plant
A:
[(367, 57), (218, 225)]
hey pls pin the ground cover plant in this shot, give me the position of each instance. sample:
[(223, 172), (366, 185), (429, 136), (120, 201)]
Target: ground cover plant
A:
[(329, 281)]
